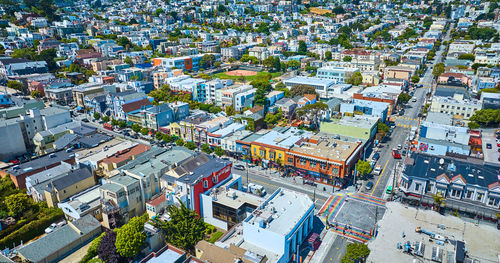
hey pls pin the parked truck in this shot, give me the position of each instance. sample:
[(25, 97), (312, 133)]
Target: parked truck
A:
[(256, 189)]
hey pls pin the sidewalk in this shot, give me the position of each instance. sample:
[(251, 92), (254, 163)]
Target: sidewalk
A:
[(319, 255)]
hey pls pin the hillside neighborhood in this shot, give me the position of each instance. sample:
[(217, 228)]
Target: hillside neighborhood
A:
[(249, 131)]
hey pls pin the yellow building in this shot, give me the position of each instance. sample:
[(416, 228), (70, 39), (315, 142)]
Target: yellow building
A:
[(68, 185)]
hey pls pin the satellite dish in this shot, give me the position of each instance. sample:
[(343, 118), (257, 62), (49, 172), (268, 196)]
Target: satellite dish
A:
[(441, 161)]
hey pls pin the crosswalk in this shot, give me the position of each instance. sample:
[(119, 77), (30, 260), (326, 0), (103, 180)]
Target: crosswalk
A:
[(407, 118), (405, 125)]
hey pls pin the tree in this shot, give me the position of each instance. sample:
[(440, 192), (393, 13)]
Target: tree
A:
[(268, 62), (179, 142), (219, 151), (294, 64), (190, 145), (355, 79), (229, 111), (347, 59), (184, 229), (17, 203), (277, 63), (328, 55), (158, 136), (93, 249), (207, 61), (136, 127), (206, 148), (122, 124), (438, 200), (124, 42), (415, 79), (363, 167), (105, 118), (487, 117), (355, 252), (114, 122), (302, 47), (301, 90), (312, 112), (131, 237), (97, 115), (438, 70), (470, 57), (36, 94), (473, 125), (403, 98), (144, 131), (129, 61), (107, 249), (167, 138), (16, 85)]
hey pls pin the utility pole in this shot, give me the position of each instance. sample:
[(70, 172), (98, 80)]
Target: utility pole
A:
[(246, 163)]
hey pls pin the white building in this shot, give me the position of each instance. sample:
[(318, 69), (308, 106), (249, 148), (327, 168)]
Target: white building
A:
[(236, 96), (338, 74)]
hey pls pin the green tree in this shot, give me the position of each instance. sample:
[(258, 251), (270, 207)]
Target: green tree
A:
[(301, 90), (438, 70), (136, 127), (403, 98), (97, 115), (124, 42), (355, 79), (16, 85), (158, 136), (36, 94), (268, 62), (190, 145), (144, 131), (167, 138), (277, 63), (207, 61), (328, 55), (312, 112), (122, 124), (105, 118), (487, 117), (229, 111), (114, 122), (17, 203), (363, 167), (473, 125), (294, 64), (92, 251), (130, 238), (179, 142), (219, 151), (355, 252), (347, 59), (302, 47), (184, 229), (129, 61), (415, 79), (206, 148), (470, 57)]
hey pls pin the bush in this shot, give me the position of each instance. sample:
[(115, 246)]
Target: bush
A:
[(215, 237), (32, 229)]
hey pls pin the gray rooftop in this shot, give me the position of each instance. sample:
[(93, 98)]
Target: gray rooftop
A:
[(42, 248), (40, 162)]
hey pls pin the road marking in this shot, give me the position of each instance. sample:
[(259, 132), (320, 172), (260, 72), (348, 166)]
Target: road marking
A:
[(381, 174), (338, 257)]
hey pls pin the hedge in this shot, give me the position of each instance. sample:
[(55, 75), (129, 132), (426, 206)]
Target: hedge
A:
[(31, 230)]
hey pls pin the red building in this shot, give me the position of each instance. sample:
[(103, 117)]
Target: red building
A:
[(200, 174)]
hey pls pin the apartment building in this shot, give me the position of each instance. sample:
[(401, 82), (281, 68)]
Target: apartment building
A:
[(236, 96)]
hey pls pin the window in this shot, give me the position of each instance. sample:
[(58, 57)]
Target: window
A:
[(303, 161), (491, 201), (469, 194), (312, 164), (322, 165), (290, 160), (479, 196), (417, 187), (271, 155), (215, 179), (205, 184), (262, 153)]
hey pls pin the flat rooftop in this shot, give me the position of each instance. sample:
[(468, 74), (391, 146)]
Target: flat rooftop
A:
[(157, 160), (235, 199), (282, 211), (106, 152), (310, 80), (284, 138), (326, 147)]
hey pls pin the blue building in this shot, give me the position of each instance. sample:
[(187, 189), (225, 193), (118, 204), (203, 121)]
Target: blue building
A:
[(485, 83), (367, 107), (277, 227), (5, 101)]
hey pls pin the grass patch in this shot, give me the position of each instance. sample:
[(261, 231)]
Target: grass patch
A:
[(223, 75), (94, 260), (215, 236)]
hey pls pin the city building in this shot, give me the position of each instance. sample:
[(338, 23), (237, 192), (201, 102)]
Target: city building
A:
[(322, 86), (276, 228), (340, 75), (236, 96), (358, 126)]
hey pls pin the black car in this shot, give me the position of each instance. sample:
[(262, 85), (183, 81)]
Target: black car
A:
[(85, 120), (376, 156)]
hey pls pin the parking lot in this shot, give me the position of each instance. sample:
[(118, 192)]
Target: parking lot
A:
[(398, 226)]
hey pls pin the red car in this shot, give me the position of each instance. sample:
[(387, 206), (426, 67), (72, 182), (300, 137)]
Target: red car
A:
[(15, 161), (396, 154)]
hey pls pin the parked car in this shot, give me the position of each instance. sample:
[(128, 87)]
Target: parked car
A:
[(239, 167), (389, 190), (369, 186), (85, 120), (376, 156), (377, 170), (488, 146), (50, 228), (396, 154)]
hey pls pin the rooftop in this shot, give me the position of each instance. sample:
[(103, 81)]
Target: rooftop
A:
[(106, 152), (40, 162), (235, 199), (282, 211), (284, 138), (326, 147), (156, 160), (310, 81), (123, 155)]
